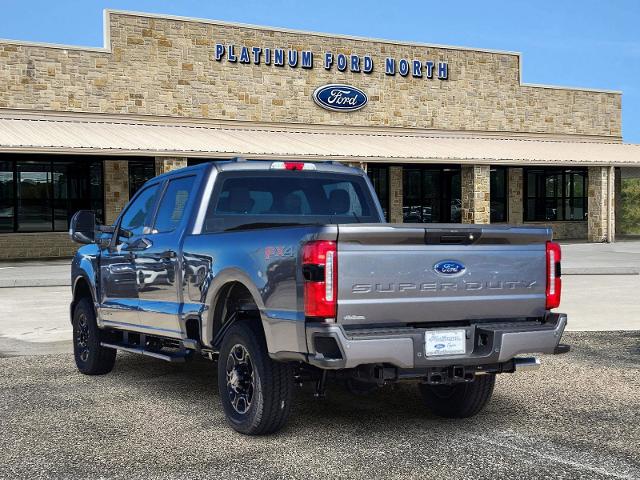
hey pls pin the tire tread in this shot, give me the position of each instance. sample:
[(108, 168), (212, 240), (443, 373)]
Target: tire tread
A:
[(276, 380), (102, 360)]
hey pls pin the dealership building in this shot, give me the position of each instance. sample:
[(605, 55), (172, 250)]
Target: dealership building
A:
[(446, 134)]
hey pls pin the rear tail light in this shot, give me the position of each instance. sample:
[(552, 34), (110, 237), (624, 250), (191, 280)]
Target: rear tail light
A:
[(320, 270), (554, 283)]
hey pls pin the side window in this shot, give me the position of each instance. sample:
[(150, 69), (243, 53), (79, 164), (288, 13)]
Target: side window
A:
[(173, 204), (138, 213)]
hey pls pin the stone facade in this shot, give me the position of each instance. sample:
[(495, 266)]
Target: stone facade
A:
[(395, 194), (515, 207), (475, 193), (36, 245), (598, 219), (163, 66), (166, 164), (116, 188)]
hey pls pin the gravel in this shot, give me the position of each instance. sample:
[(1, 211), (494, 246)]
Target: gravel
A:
[(576, 417)]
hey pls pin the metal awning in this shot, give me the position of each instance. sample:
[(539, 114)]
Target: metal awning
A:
[(91, 135)]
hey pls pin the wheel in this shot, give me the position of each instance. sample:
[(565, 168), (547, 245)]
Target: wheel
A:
[(460, 400), (91, 358), (254, 390)]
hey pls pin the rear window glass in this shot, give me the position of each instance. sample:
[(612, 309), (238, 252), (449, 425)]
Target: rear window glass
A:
[(245, 200)]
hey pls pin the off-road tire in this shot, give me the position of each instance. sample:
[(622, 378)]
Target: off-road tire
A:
[(460, 400), (91, 358), (270, 403)]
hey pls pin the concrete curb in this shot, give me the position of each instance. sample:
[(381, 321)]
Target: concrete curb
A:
[(34, 283)]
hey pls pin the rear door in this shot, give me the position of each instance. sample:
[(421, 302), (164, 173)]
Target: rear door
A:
[(118, 281), (158, 265)]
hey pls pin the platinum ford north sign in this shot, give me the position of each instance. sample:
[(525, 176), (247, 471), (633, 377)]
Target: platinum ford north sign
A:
[(340, 98), (293, 58)]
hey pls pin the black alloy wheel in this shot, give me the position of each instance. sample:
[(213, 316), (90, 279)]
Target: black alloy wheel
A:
[(240, 379), (91, 357)]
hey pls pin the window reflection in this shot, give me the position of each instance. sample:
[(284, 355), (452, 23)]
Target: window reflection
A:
[(555, 194), (498, 195), (41, 193), (431, 195), (34, 197), (6, 196), (379, 176), (139, 172)]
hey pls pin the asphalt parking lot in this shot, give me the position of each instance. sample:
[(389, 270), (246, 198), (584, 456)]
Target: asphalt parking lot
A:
[(576, 417)]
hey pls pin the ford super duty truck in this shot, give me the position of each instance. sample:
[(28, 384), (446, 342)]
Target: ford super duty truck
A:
[(286, 272)]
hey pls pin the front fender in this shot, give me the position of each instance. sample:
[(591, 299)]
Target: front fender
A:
[(84, 275)]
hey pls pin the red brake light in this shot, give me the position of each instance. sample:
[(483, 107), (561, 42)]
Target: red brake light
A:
[(554, 283), (293, 165), (320, 268)]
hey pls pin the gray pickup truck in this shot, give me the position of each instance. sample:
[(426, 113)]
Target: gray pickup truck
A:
[(286, 272)]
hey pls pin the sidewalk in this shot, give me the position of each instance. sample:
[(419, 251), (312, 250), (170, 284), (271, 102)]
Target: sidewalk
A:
[(35, 273), (620, 258)]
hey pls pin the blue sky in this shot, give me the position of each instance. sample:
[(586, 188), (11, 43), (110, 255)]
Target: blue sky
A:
[(584, 43)]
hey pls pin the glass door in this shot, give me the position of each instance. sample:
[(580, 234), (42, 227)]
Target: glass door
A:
[(34, 197), (431, 194)]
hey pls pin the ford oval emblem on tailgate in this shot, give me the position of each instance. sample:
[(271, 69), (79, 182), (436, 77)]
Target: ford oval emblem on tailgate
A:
[(449, 267), (340, 98)]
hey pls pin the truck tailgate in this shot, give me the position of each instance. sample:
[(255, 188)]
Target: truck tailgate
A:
[(390, 274)]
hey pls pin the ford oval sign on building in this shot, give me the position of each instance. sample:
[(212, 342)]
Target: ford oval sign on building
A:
[(340, 98)]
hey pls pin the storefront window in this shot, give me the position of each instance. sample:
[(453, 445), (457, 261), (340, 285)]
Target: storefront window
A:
[(139, 172), (41, 194), (7, 199), (555, 194), (431, 195), (498, 189), (379, 176), (34, 197)]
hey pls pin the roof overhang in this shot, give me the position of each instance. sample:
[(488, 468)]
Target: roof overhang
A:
[(108, 135)]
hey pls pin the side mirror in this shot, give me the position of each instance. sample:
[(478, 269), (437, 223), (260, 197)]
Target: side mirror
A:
[(83, 227)]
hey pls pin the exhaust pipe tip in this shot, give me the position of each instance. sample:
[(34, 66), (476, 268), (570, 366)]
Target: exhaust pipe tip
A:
[(526, 363)]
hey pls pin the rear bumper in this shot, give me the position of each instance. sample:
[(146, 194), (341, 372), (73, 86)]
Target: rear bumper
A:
[(487, 343)]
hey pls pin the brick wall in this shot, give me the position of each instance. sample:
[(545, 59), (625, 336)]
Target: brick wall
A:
[(598, 221), (166, 164), (36, 245), (395, 194), (116, 188), (475, 193), (167, 67)]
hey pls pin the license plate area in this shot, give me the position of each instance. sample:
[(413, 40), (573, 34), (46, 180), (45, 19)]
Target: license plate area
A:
[(443, 342)]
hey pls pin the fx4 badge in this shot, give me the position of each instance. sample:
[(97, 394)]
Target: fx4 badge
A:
[(278, 251)]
